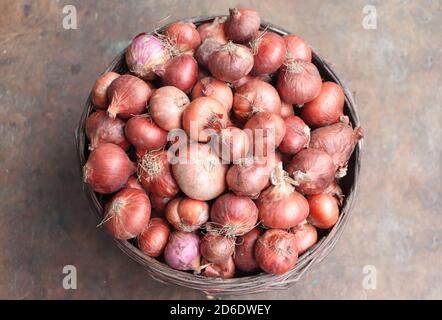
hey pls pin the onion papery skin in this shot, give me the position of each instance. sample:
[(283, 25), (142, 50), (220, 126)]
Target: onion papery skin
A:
[(144, 134), (269, 52), (286, 110), (108, 168), (297, 136), (306, 237), (99, 91), (224, 269), (324, 210), (216, 89), (297, 49), (213, 30), (216, 247), (187, 214), (127, 214), (183, 36), (153, 239), (180, 71), (244, 256), (242, 24)]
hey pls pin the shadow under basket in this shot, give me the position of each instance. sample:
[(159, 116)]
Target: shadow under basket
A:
[(246, 284)]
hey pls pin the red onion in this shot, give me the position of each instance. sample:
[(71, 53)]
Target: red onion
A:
[(224, 269), (213, 88), (205, 50), (312, 170), (242, 24), (231, 62), (133, 183), (102, 129), (231, 144), (269, 52), (204, 117), (297, 49), (306, 237), (255, 96), (216, 247), (127, 214), (280, 206), (325, 109), (286, 110), (199, 172), (187, 214), (159, 203), (155, 174), (338, 140), (235, 215), (297, 135), (144, 54), (107, 168), (182, 251), (180, 71), (299, 82), (276, 252), (324, 210), (213, 30), (183, 36), (99, 91), (166, 107), (244, 256), (238, 83), (266, 131), (144, 134), (154, 237), (128, 95)]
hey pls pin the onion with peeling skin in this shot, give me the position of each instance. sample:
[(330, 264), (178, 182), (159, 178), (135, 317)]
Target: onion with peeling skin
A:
[(205, 50), (312, 170), (224, 269), (216, 89), (99, 91), (187, 214), (216, 247)]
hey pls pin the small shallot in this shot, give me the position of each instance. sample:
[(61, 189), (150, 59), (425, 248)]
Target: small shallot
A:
[(269, 52), (231, 144), (297, 49), (183, 36), (187, 214), (213, 30), (242, 24), (144, 134), (216, 89), (180, 71), (244, 256), (216, 247), (324, 210), (99, 91), (153, 239), (297, 135), (183, 251), (224, 269), (306, 236)]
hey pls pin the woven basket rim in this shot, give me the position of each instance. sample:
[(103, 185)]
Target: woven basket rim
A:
[(246, 284)]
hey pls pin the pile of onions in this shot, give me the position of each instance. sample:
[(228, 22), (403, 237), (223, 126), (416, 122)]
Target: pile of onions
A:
[(269, 52), (128, 96), (236, 214), (202, 176), (144, 54), (216, 247), (183, 36), (144, 134), (231, 62), (255, 96), (216, 89), (153, 239), (204, 117), (242, 24), (338, 140), (228, 178), (280, 206), (244, 256), (187, 214), (127, 214), (324, 210), (166, 107), (107, 168), (325, 109), (182, 251), (297, 49), (155, 174), (266, 131), (276, 251), (231, 144), (299, 82), (99, 91), (312, 170), (102, 129), (297, 135)]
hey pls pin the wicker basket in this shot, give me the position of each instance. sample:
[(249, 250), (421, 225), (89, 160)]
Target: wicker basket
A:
[(248, 284)]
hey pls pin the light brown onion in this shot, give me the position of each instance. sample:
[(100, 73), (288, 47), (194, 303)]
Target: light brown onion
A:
[(242, 24), (297, 48), (187, 214), (269, 52), (153, 239), (144, 134), (297, 135), (107, 168), (203, 118), (199, 172), (299, 82), (276, 252), (231, 144), (312, 169), (235, 215), (216, 247), (166, 107), (244, 256), (324, 210), (216, 89), (102, 129), (99, 91), (127, 214), (255, 96), (128, 96)]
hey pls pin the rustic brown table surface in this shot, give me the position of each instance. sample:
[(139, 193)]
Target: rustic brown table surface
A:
[(46, 74)]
